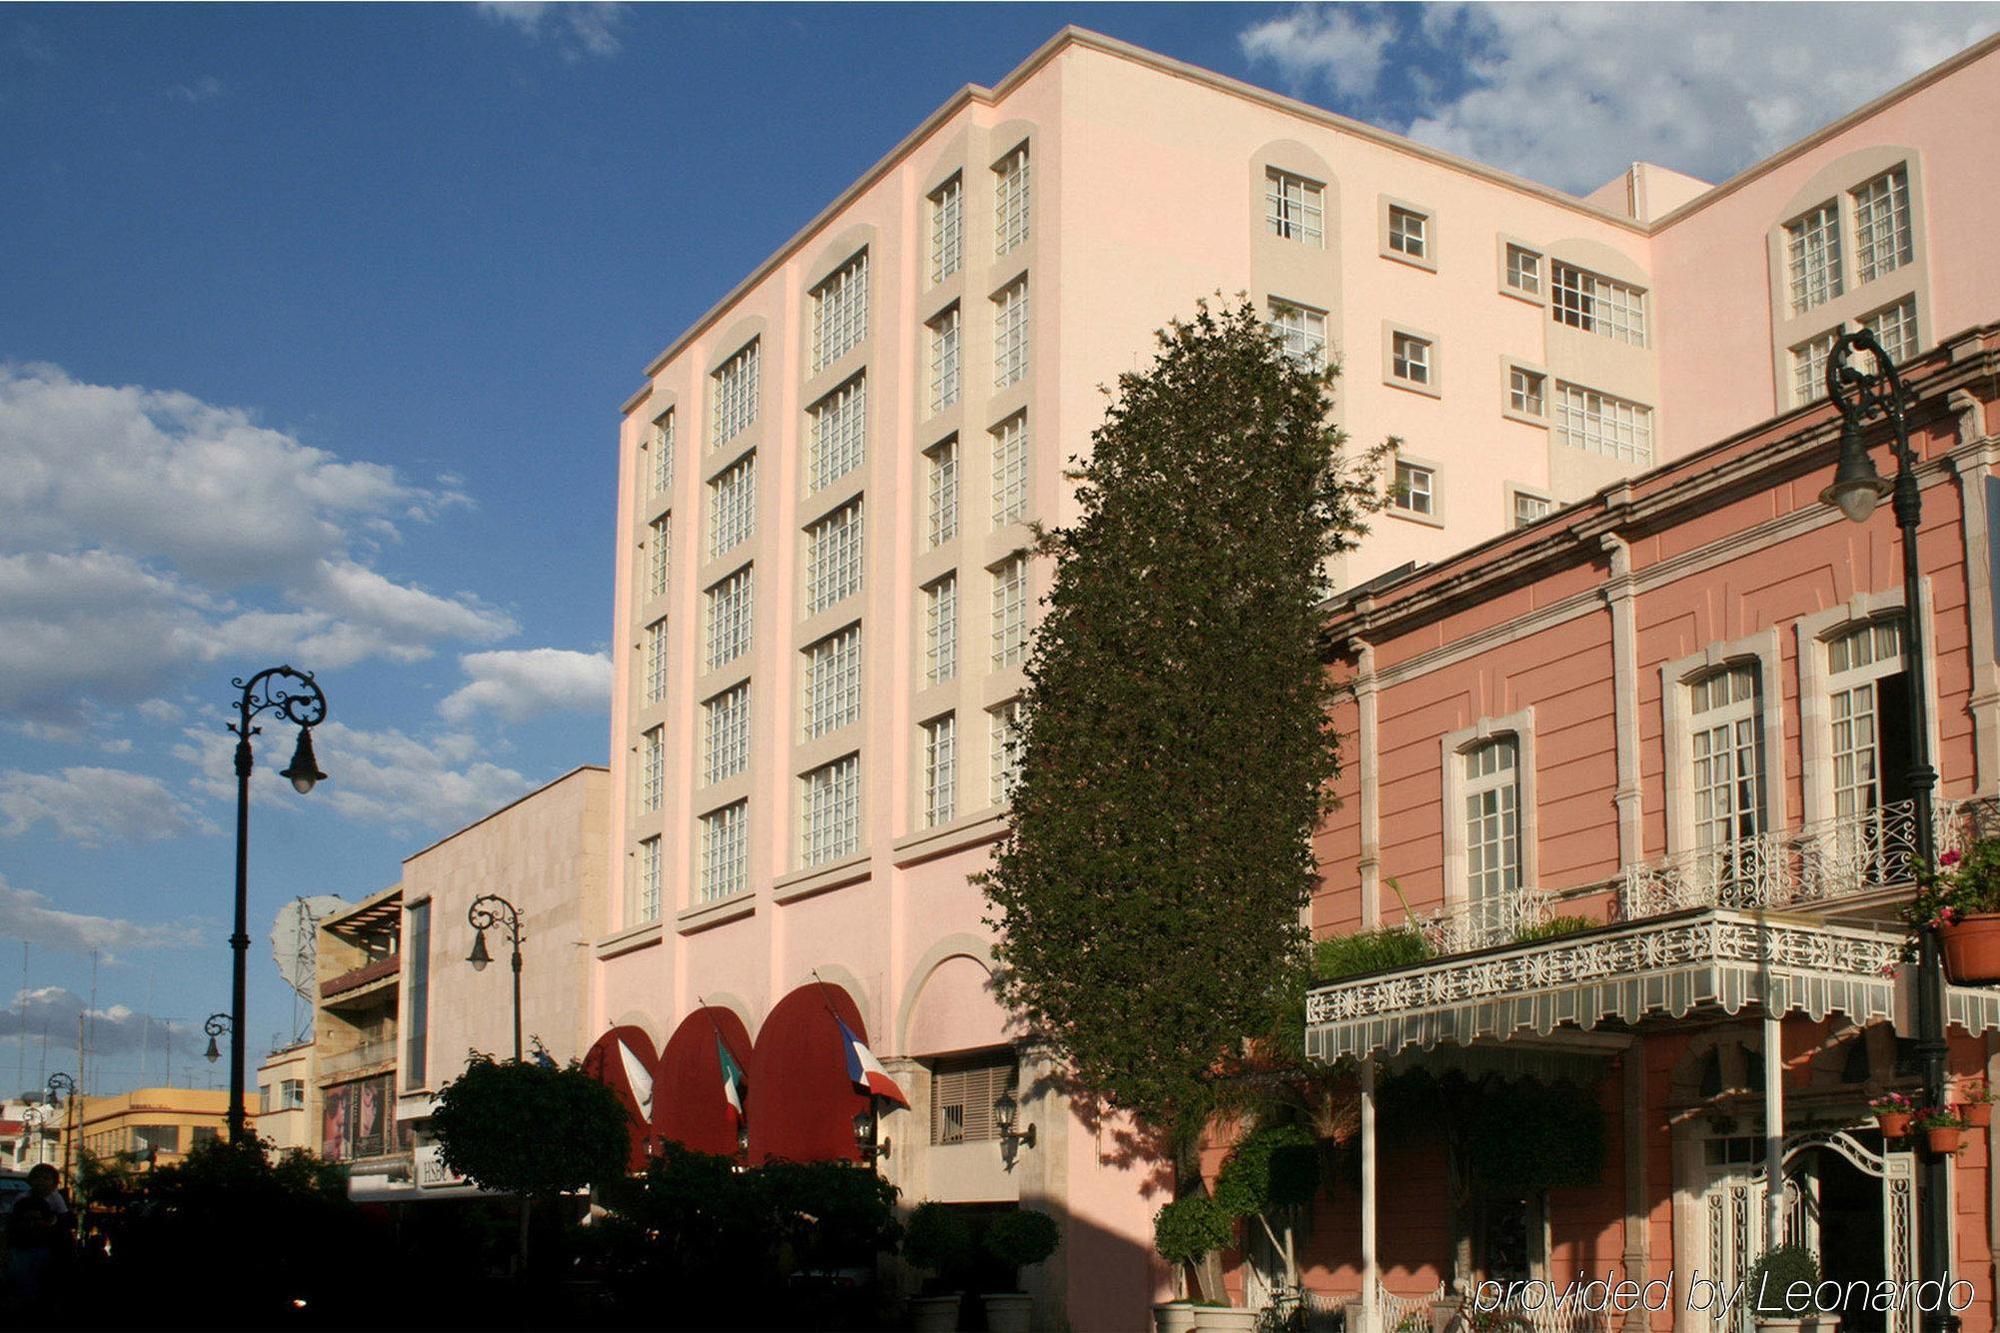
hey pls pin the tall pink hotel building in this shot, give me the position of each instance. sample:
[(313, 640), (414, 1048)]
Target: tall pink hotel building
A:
[(824, 601)]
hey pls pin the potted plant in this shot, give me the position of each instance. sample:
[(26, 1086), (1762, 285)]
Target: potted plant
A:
[(1975, 1106), (937, 1239), (1783, 1292), (1018, 1240), (1185, 1232), (1892, 1111), (1960, 899), (1940, 1128)]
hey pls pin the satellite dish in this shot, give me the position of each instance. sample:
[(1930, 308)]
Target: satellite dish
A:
[(295, 949)]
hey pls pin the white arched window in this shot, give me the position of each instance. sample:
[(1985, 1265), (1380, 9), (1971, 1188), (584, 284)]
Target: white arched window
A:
[(1726, 753)]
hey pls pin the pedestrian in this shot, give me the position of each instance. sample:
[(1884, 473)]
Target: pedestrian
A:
[(40, 1235)]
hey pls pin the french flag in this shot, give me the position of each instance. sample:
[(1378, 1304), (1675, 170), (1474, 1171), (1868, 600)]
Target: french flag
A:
[(866, 1072)]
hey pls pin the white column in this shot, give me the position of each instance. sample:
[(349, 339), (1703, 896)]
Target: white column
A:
[(1774, 1128), (1621, 595), (1371, 1270), (1368, 744)]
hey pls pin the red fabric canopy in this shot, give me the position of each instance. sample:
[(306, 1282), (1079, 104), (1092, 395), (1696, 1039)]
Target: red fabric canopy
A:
[(688, 1103), (805, 1105), (604, 1063)]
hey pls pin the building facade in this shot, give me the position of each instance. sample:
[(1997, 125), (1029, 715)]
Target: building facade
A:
[(355, 1041), (284, 1099), (156, 1126), (823, 587)]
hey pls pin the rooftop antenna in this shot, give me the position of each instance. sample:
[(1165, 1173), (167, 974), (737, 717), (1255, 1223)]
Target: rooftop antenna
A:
[(295, 949)]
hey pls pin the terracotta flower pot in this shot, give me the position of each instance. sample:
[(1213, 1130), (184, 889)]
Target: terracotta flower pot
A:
[(1895, 1124), (1976, 1115), (1943, 1140), (1972, 949)]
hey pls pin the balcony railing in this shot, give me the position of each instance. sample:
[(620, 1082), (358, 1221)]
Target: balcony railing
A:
[(356, 1058), (356, 978)]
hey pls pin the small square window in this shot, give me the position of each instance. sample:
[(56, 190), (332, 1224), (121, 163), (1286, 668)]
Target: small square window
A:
[(1524, 270), (1409, 232), (1530, 508), (1416, 489), (1410, 358), (1527, 392)]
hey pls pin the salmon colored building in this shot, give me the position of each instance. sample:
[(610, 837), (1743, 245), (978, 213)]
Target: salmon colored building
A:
[(1636, 776), (827, 485)]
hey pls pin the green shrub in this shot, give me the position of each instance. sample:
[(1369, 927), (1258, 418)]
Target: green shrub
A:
[(937, 1238), (1554, 928), (1370, 951), (1275, 1167), (1021, 1238), (1187, 1229), (1774, 1275)]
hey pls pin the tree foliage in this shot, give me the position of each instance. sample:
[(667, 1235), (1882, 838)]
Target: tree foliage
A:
[(528, 1129), (1176, 748)]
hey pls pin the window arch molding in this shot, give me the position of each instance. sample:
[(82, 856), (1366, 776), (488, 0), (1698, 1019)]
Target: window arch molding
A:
[(1816, 633), (1677, 731), (1454, 747)]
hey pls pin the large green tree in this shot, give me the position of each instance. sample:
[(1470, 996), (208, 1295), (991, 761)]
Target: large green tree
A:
[(1177, 753)]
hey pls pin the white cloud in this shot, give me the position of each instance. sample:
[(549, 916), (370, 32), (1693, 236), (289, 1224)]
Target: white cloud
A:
[(1571, 94), (94, 806), (144, 533), (518, 685), (27, 915), (577, 29), (195, 91), (115, 1029)]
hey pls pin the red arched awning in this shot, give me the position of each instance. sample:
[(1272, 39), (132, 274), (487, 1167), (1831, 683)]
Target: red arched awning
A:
[(623, 1059), (689, 1105), (805, 1103)]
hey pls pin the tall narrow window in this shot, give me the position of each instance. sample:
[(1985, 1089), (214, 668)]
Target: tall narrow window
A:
[(941, 630), (840, 312), (1294, 208), (725, 851), (1010, 612), (1596, 304), (735, 395), (417, 984), (1809, 369), (839, 433), (830, 811), (1812, 252), (940, 770), (943, 491), (944, 360), (647, 906), (661, 554), (833, 558), (662, 448), (732, 506), (1003, 753), (1597, 422), (1869, 711), (726, 734), (833, 682), (653, 767), (1010, 201), (1493, 828), (947, 228), (1883, 241), (1896, 329), (1302, 330), (1010, 470), (1727, 755), (1010, 335), (656, 661), (729, 614)]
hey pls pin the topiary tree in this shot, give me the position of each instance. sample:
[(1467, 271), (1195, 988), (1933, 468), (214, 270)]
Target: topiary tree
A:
[(939, 1240), (1175, 748), (1269, 1176), (1023, 1238), (1190, 1229)]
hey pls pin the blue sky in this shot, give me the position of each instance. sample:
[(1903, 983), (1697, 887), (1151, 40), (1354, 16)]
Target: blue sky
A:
[(315, 323)]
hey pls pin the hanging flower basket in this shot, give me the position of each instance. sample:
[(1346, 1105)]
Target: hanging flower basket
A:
[(1972, 948), (1959, 898), (1941, 1129), (1975, 1105), (1893, 1111)]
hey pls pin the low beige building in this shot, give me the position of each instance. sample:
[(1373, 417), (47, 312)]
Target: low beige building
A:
[(156, 1125), (285, 1117)]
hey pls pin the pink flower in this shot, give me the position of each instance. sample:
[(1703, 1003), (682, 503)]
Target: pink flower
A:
[(1889, 969), (1949, 859)]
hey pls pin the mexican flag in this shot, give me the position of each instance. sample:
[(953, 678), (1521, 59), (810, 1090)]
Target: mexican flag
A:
[(732, 1078)]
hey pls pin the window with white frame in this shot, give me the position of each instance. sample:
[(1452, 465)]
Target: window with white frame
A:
[(830, 811), (1524, 270), (1010, 201), (660, 554), (1493, 821), (940, 770), (1809, 369), (1010, 612), (1727, 756), (941, 629), (1527, 391), (964, 1091), (729, 618), (839, 433), (653, 767), (1410, 358), (1812, 257), (1416, 489), (1883, 241), (735, 395), (1010, 335), (1600, 424), (1530, 508), (833, 682), (726, 734), (1010, 470), (833, 558), (1003, 751), (840, 312), (661, 446), (944, 359), (947, 228), (1302, 331), (1896, 329), (656, 661), (1597, 304), (1409, 232), (725, 851), (1294, 208), (1868, 710), (943, 460), (646, 906), (732, 506)]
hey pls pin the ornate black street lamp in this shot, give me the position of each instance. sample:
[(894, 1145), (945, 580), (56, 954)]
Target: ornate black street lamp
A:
[(215, 1026), (52, 1097), (1862, 381), (299, 699), (487, 911)]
